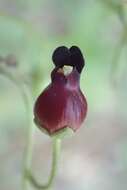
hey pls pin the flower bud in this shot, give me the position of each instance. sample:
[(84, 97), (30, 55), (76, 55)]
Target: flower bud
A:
[(62, 104)]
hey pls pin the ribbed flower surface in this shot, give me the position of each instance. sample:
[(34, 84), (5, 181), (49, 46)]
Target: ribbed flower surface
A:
[(62, 103)]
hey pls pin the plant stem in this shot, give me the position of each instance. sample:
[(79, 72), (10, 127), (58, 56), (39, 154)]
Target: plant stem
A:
[(115, 67), (28, 145), (27, 99), (27, 157), (56, 145), (121, 44)]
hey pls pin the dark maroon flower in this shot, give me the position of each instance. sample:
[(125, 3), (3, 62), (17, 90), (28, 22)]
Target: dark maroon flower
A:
[(62, 103)]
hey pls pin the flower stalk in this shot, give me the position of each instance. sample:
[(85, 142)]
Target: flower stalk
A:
[(56, 147), (61, 107)]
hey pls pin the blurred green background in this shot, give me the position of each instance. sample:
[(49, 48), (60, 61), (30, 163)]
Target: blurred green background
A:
[(96, 157)]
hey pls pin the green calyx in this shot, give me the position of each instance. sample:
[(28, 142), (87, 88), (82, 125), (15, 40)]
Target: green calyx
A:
[(60, 134)]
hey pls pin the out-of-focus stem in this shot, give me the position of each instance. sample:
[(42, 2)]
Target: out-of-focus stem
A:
[(29, 142), (118, 52), (121, 43), (27, 99)]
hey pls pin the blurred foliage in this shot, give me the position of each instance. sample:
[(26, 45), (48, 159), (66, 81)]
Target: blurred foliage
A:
[(118, 7)]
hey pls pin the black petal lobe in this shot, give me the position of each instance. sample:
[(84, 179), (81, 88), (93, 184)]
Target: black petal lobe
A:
[(77, 59), (61, 56)]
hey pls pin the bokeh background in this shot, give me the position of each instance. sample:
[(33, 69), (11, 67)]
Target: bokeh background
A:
[(96, 156)]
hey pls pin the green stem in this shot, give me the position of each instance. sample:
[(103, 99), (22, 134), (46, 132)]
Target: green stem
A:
[(122, 42), (56, 145), (26, 96), (28, 146), (117, 54), (27, 157)]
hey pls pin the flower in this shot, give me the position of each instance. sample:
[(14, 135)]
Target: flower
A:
[(62, 104)]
